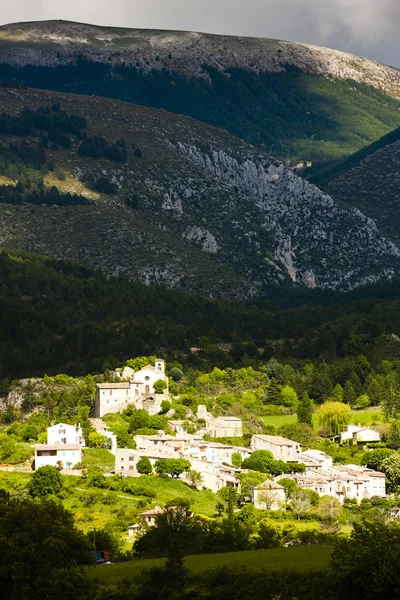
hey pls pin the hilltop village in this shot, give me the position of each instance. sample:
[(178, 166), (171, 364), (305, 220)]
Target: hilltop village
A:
[(214, 461)]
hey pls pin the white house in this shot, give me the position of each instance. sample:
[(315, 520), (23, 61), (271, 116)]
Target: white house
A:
[(138, 391), (269, 495), (63, 456), (65, 434), (343, 481), (63, 449), (358, 434), (282, 448)]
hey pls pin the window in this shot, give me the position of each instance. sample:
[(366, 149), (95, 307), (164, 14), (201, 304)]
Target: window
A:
[(108, 401), (147, 378), (122, 459), (110, 392), (73, 452), (130, 458), (64, 454), (131, 467), (126, 392)]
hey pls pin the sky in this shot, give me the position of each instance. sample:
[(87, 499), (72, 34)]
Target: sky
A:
[(366, 27)]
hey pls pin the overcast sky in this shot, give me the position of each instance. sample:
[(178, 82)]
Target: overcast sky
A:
[(366, 27)]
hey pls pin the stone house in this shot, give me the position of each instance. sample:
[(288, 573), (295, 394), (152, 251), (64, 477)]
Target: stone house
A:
[(138, 391), (282, 448), (218, 427), (269, 495)]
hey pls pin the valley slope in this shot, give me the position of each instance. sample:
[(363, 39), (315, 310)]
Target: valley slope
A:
[(197, 209), (370, 181), (298, 102)]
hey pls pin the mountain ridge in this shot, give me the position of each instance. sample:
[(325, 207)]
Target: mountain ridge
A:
[(263, 53)]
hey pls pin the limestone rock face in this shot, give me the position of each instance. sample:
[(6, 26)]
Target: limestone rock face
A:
[(212, 213)]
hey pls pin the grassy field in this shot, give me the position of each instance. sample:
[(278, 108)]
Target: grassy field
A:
[(299, 557), (362, 417)]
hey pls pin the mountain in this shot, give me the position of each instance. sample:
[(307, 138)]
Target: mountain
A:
[(370, 181), (297, 102), (168, 200)]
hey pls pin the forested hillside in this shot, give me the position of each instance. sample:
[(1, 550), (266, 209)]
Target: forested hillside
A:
[(59, 317)]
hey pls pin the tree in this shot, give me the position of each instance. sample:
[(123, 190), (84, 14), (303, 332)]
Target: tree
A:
[(174, 526), (172, 466), (329, 508), (236, 459), (289, 397), (362, 401), (194, 477), (144, 466), (304, 412), (300, 503), (375, 392), (337, 393), (366, 564), (165, 406), (290, 486), (393, 438), (159, 386), (373, 459), (259, 460), (140, 361), (96, 440), (391, 398), (43, 555), (300, 432), (273, 392), (334, 416), (124, 440), (349, 395), (45, 481), (176, 373), (391, 468), (268, 498)]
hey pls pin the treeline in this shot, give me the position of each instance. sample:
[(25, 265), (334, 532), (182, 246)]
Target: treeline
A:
[(52, 120), (50, 197)]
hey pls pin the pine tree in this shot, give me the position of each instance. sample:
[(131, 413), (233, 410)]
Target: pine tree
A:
[(304, 413), (393, 438), (274, 392), (349, 395), (337, 392), (375, 392)]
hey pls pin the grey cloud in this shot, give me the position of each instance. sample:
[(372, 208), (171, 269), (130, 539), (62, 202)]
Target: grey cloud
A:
[(366, 27)]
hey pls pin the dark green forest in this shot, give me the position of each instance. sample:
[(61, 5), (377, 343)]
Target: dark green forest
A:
[(61, 317), (291, 114)]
